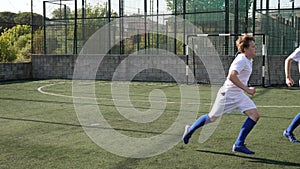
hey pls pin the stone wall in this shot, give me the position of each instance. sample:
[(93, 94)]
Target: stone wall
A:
[(15, 71), (112, 67), (52, 66), (276, 70), (139, 68)]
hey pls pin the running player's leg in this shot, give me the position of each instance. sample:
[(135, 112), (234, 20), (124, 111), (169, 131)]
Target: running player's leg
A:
[(248, 125), (289, 131), (239, 145), (189, 130), (295, 123), (216, 111), (248, 107)]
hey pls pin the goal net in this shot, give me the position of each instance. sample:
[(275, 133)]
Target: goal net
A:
[(210, 55)]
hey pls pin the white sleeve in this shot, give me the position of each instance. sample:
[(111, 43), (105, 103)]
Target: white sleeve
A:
[(295, 55), (299, 71), (238, 65), (299, 66)]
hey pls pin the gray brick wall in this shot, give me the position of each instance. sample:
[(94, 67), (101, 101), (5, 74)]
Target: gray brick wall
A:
[(15, 71), (62, 67), (276, 70), (52, 66)]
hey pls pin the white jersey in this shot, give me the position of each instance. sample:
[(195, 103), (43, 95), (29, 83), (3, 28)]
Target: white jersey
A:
[(296, 55), (243, 66), (230, 97)]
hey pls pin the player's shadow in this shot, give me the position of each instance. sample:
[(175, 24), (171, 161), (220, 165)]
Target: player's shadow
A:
[(81, 126), (255, 159)]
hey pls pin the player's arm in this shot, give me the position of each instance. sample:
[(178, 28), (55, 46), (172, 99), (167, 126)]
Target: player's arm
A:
[(236, 81), (287, 67)]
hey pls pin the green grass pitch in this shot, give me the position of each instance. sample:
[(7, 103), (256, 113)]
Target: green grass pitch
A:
[(41, 130)]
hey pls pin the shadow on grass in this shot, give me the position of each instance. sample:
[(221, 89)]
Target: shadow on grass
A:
[(254, 159), (83, 126), (129, 163), (35, 101), (146, 107), (112, 105)]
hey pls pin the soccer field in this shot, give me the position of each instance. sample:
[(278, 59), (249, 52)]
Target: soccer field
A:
[(40, 127)]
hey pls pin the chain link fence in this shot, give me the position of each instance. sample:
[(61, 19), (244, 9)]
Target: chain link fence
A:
[(69, 23)]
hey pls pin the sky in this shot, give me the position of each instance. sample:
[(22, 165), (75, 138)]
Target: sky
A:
[(133, 6), (16, 6)]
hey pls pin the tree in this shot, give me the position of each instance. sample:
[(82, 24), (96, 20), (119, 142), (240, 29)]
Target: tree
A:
[(210, 11), (24, 18), (62, 13), (38, 41), (15, 44), (7, 20), (7, 53), (206, 5), (93, 19)]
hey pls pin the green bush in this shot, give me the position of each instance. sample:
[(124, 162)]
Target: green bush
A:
[(15, 44)]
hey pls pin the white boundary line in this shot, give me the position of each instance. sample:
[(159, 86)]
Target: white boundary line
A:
[(40, 89), (293, 106)]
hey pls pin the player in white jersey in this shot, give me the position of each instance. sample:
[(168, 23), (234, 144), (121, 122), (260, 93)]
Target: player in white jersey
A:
[(295, 56), (231, 96)]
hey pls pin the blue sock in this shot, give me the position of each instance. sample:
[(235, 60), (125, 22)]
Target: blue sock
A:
[(245, 130), (294, 123), (201, 121)]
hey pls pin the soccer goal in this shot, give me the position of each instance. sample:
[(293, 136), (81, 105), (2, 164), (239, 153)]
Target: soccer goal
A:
[(210, 55)]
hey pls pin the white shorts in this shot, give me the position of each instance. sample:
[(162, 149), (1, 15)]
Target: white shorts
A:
[(227, 102)]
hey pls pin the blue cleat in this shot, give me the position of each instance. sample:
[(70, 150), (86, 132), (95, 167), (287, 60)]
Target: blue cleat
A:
[(290, 136), (242, 149), (186, 136)]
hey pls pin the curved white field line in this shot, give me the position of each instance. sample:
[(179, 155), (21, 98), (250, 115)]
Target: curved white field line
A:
[(40, 89)]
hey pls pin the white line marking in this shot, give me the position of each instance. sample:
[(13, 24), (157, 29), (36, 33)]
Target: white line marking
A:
[(292, 106), (40, 89)]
